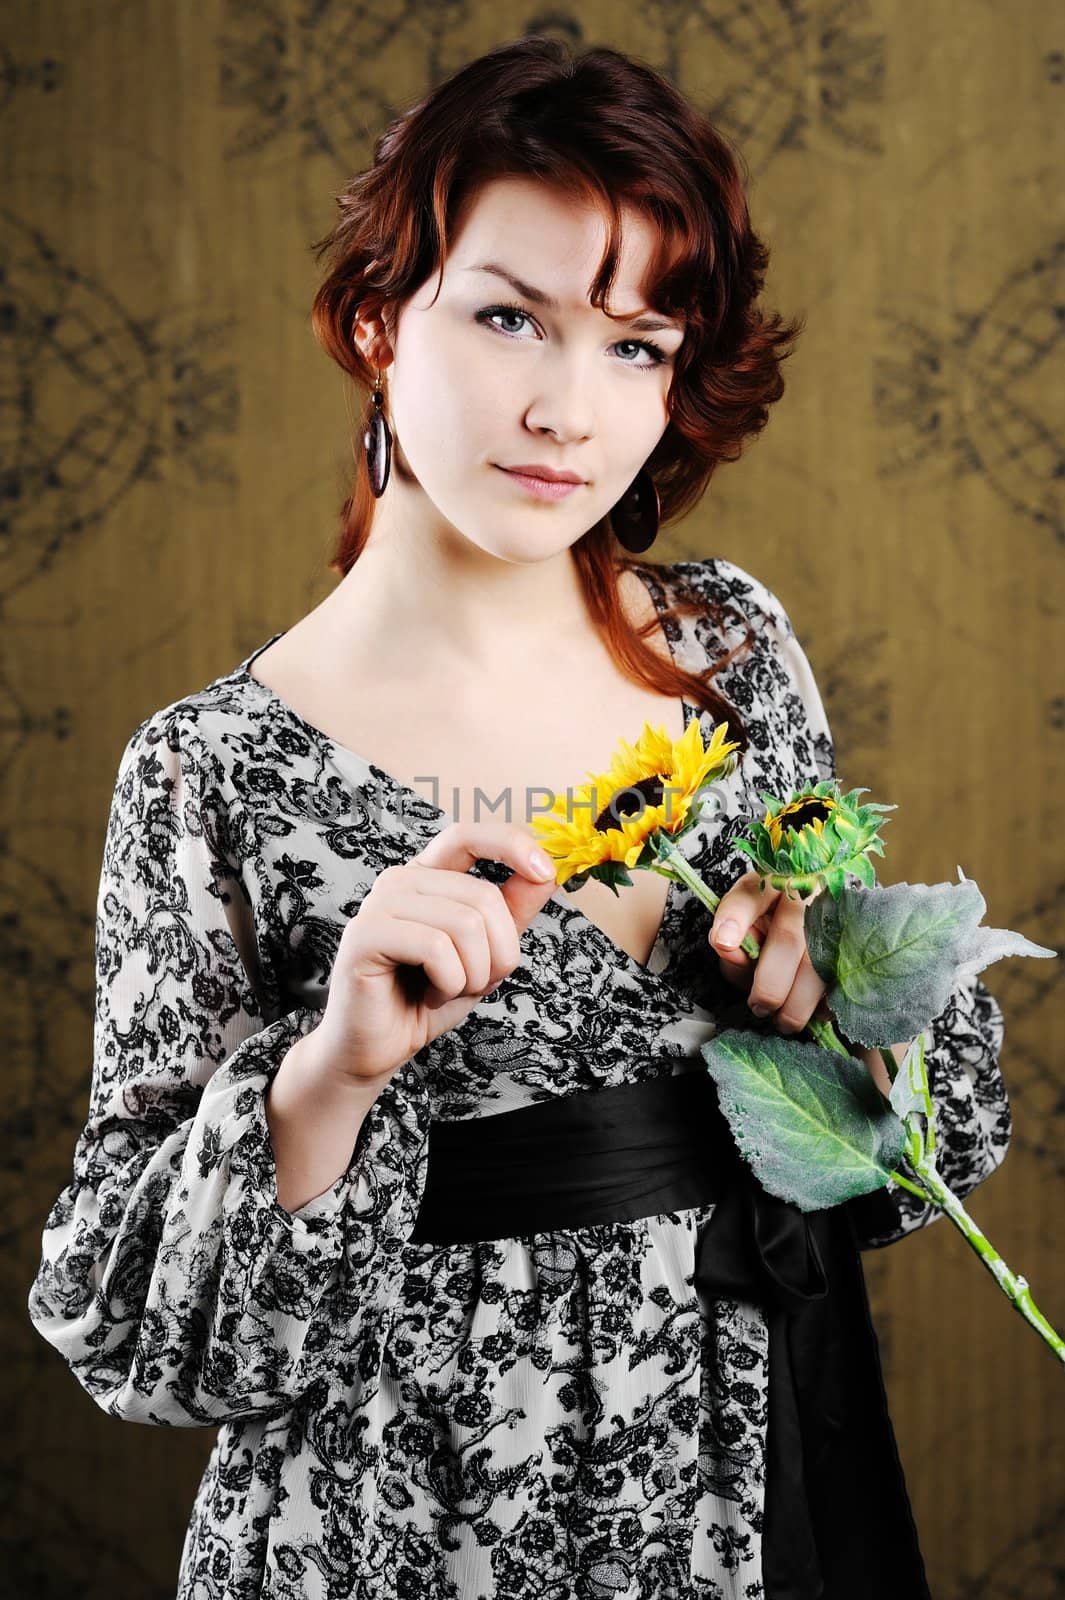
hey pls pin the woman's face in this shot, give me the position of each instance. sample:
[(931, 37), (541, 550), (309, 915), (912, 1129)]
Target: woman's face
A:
[(476, 387)]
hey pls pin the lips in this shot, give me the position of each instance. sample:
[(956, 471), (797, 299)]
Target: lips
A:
[(548, 474), (539, 487)]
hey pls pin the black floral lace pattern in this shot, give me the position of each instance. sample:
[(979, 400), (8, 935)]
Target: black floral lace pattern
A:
[(530, 1418)]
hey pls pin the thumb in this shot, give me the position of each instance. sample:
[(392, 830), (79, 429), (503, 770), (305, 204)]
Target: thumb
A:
[(738, 910), (526, 896)]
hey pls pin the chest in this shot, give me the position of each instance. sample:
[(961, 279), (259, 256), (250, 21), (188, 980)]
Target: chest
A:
[(514, 765), (501, 756)]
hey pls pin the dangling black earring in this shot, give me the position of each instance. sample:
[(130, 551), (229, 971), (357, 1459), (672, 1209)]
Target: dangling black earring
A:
[(378, 443), (635, 517)]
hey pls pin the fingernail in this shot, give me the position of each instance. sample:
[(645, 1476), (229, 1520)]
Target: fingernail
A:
[(760, 1011), (542, 864), (728, 934)]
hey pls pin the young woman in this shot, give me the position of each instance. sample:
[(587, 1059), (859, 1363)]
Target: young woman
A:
[(402, 1167)]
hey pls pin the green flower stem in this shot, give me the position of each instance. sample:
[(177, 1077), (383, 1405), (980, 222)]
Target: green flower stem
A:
[(1010, 1283), (679, 869), (929, 1186)]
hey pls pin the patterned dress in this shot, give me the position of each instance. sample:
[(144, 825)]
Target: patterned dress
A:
[(533, 1418)]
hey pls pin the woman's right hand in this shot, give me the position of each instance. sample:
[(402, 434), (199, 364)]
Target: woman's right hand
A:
[(426, 944)]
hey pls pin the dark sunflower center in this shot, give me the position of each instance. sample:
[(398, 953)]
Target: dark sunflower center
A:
[(802, 812), (631, 801)]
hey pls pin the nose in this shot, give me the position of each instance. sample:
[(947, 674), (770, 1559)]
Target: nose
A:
[(563, 407)]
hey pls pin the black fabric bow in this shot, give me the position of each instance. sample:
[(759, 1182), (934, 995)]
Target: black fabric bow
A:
[(758, 1247), (838, 1523)]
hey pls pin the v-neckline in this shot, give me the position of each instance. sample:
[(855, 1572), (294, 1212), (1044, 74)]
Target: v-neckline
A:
[(565, 912)]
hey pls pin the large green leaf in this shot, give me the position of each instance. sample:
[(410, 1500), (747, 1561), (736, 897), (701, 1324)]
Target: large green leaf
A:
[(810, 1123), (892, 957)]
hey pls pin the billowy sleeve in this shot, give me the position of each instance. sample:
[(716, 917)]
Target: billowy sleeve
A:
[(172, 1282), (962, 1045)]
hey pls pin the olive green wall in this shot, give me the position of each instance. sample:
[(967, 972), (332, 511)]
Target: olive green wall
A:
[(177, 447)]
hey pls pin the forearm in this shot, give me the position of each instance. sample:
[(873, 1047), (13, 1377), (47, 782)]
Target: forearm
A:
[(314, 1115)]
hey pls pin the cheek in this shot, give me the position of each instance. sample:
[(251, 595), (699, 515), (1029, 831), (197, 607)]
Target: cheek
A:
[(453, 406), (632, 419)]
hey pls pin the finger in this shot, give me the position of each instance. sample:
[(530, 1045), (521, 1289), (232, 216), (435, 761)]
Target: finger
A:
[(823, 1011), (779, 961), (460, 844), (803, 1001), (737, 967), (738, 909), (450, 900), (783, 959), (737, 979), (399, 943), (745, 904), (740, 957), (465, 926)]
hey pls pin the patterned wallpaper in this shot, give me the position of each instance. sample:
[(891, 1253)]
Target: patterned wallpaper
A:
[(175, 451)]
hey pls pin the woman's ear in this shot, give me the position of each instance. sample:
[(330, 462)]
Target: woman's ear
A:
[(373, 342)]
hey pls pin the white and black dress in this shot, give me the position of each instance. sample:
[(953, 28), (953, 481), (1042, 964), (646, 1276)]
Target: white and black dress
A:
[(532, 1418)]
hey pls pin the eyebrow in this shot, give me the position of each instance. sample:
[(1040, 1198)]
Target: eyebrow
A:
[(648, 323)]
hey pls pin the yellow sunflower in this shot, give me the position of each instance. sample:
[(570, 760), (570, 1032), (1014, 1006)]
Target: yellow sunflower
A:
[(651, 787)]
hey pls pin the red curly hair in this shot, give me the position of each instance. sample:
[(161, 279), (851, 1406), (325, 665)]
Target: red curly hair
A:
[(608, 130)]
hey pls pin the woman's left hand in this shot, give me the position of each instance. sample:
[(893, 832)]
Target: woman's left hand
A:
[(783, 979)]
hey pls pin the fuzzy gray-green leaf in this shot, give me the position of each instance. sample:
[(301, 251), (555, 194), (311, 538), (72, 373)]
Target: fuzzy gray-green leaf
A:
[(810, 1123), (892, 957)]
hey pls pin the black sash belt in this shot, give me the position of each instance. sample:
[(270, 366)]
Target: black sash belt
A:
[(838, 1523)]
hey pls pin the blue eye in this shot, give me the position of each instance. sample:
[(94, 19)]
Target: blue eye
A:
[(657, 354)]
